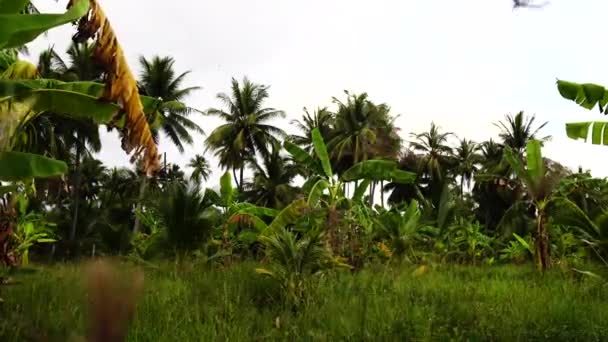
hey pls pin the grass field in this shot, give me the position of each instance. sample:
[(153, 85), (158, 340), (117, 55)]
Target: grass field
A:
[(191, 303)]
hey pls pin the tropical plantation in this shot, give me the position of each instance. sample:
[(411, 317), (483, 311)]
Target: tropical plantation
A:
[(351, 229)]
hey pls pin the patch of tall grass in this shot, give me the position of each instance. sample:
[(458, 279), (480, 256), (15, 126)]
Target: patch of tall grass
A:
[(191, 303)]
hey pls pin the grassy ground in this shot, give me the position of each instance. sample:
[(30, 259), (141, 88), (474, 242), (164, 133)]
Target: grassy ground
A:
[(501, 303)]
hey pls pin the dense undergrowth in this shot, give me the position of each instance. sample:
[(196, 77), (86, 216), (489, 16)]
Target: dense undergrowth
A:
[(188, 302)]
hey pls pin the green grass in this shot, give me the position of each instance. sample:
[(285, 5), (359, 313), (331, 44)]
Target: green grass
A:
[(501, 303)]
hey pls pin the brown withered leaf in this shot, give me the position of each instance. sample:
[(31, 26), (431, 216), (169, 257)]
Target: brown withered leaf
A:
[(121, 86)]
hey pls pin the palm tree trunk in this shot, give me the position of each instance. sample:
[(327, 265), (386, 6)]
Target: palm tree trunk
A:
[(461, 187), (140, 199), (542, 242), (382, 193), (76, 194), (372, 191), (241, 182), (236, 180)]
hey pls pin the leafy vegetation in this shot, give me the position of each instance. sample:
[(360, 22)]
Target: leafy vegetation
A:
[(293, 242)]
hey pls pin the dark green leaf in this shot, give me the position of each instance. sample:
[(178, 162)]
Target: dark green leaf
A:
[(19, 166)]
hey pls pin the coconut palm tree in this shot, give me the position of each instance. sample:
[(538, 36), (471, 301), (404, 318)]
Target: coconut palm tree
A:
[(362, 130), (201, 168), (271, 184), (158, 79), (517, 130), (467, 160), (321, 118), (246, 129), (433, 146)]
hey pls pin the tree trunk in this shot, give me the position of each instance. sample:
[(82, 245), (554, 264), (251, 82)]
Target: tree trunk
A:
[(542, 242), (76, 194), (461, 187), (382, 193), (140, 199), (372, 191), (241, 182), (236, 180)]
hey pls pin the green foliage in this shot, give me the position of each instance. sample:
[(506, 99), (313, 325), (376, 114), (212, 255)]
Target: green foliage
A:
[(21, 166), (17, 29), (293, 260), (31, 228), (188, 218), (500, 303)]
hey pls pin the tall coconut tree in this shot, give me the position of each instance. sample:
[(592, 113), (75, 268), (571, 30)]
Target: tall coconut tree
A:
[(516, 130), (271, 183), (201, 168), (466, 158), (158, 79), (321, 118), (246, 129), (433, 145)]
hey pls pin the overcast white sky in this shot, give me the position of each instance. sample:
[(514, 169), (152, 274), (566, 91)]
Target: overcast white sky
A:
[(463, 64)]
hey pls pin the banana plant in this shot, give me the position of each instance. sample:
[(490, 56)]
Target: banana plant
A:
[(588, 96), (404, 230), (540, 187), (325, 190)]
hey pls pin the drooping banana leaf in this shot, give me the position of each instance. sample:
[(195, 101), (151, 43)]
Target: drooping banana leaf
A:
[(378, 170), (321, 151), (18, 166), (361, 190), (22, 88), (317, 191), (302, 157), (18, 29), (586, 95), (580, 130), (288, 215)]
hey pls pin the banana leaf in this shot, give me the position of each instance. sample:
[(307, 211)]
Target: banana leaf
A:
[(587, 95), (321, 151), (16, 166), (19, 29)]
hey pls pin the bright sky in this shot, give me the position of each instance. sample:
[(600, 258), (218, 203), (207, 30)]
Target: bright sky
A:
[(463, 64)]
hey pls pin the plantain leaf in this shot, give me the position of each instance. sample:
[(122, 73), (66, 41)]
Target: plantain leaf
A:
[(18, 29), (586, 95), (18, 166), (321, 150), (301, 156), (288, 215), (226, 189), (524, 243), (377, 170), (517, 165), (580, 130), (361, 190), (12, 6), (534, 158), (317, 191)]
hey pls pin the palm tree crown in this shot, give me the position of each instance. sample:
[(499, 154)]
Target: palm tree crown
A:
[(201, 168), (517, 130), (246, 129), (158, 79), (433, 145)]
